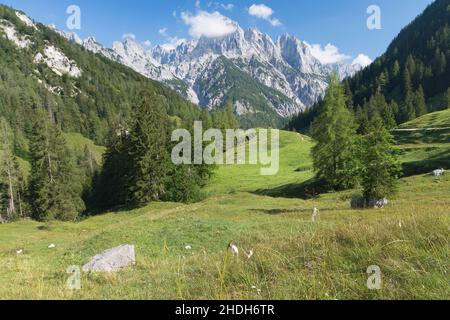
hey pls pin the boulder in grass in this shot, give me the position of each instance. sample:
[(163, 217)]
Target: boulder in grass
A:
[(358, 203), (112, 260), (378, 203), (373, 203), (438, 172)]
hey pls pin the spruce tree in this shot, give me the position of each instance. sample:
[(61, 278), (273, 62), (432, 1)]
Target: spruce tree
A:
[(380, 167), (335, 133), (231, 122), (11, 179), (419, 103), (148, 150), (110, 186), (54, 194)]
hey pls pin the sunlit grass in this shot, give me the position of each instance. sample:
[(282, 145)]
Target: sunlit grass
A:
[(294, 258)]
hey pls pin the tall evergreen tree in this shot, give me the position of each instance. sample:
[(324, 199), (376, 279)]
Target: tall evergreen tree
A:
[(381, 168), (419, 103), (148, 150), (11, 188), (110, 186), (335, 133), (54, 194)]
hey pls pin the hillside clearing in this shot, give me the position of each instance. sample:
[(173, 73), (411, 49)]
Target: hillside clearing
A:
[(294, 259)]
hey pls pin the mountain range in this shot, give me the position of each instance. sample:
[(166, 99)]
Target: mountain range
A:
[(266, 80)]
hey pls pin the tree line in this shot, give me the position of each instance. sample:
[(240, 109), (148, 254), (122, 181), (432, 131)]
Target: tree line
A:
[(136, 167), (411, 79)]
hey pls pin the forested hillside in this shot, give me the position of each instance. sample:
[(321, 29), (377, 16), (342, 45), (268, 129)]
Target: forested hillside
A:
[(50, 91), (89, 103), (411, 79)]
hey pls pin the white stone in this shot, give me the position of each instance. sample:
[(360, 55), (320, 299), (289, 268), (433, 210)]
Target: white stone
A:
[(112, 260), (26, 20), (12, 35), (438, 172), (56, 60)]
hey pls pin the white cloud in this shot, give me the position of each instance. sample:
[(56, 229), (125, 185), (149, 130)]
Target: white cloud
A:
[(264, 12), (275, 22), (329, 54), (362, 60), (227, 7), (172, 43), (147, 43), (163, 31), (261, 11), (129, 36), (210, 25)]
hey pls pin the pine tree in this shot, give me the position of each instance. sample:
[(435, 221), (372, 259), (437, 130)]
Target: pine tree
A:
[(11, 179), (335, 133), (110, 186), (231, 122), (396, 69), (148, 150), (381, 168), (419, 102), (54, 194), (384, 110), (206, 119)]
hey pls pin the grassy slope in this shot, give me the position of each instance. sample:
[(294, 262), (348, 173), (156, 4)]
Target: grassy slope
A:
[(294, 259), (431, 120), (425, 150)]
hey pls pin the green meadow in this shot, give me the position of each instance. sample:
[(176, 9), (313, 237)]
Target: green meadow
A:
[(182, 249)]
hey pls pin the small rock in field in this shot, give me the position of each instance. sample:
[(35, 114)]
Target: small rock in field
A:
[(438, 172), (20, 251), (378, 203), (315, 215), (52, 246), (233, 248), (112, 260), (188, 248)]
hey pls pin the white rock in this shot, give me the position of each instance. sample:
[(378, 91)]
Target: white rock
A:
[(12, 35), (315, 215), (438, 172), (51, 246), (20, 251), (58, 62), (112, 260), (26, 20), (233, 249)]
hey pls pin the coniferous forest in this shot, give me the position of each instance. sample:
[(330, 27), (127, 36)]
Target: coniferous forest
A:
[(411, 79), (109, 104)]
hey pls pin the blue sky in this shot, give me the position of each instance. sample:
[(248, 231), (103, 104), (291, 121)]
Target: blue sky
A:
[(341, 23)]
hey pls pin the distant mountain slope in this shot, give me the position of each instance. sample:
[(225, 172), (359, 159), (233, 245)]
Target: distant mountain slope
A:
[(286, 66), (419, 57), (413, 76), (82, 92)]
